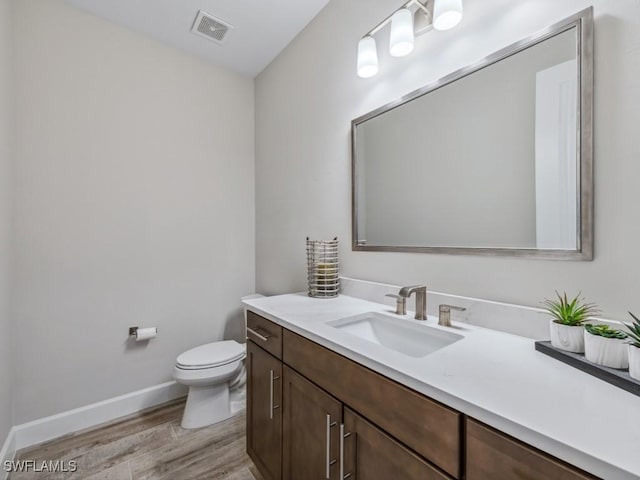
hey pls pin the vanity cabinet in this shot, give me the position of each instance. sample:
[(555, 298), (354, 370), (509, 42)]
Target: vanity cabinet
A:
[(314, 414)]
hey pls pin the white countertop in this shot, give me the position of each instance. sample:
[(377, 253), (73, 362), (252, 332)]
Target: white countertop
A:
[(492, 376)]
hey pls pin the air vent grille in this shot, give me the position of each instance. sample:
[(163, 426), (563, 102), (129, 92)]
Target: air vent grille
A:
[(210, 27)]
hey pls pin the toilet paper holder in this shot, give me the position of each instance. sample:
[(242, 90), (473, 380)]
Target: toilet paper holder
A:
[(133, 331)]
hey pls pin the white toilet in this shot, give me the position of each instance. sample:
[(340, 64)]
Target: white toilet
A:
[(210, 371)]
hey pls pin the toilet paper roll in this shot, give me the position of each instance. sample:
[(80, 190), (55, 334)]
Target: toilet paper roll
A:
[(146, 333)]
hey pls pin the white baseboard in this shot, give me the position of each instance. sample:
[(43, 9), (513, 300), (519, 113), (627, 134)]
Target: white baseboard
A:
[(8, 452), (48, 428)]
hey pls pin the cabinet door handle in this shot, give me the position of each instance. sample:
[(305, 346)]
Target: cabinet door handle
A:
[(343, 435), (329, 461), (272, 407), (264, 338)]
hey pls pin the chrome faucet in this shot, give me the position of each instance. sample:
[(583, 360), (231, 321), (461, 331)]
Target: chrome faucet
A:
[(421, 299)]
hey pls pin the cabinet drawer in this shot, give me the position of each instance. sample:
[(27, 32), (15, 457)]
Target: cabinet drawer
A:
[(493, 455), (265, 333), (427, 427)]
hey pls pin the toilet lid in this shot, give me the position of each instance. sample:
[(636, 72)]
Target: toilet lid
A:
[(211, 355)]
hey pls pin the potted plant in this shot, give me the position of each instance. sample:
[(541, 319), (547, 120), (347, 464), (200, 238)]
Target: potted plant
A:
[(567, 319), (634, 347), (606, 346)]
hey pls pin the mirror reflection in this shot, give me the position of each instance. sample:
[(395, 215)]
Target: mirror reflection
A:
[(490, 160)]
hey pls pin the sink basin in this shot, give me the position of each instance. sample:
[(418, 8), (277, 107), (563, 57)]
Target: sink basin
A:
[(408, 338)]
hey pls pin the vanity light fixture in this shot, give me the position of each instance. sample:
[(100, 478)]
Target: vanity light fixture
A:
[(429, 14), (367, 57), (401, 37), (447, 14)]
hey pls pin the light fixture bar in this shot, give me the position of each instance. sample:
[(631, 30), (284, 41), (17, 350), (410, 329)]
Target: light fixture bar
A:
[(406, 25), (423, 7), (387, 20)]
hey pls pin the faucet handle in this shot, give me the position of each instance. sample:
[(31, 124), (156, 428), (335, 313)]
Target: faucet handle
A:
[(401, 303), (448, 308), (444, 314)]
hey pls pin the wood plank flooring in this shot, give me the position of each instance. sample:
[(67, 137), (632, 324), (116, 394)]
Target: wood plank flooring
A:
[(148, 446)]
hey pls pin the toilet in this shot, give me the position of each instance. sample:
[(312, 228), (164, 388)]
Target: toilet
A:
[(210, 371)]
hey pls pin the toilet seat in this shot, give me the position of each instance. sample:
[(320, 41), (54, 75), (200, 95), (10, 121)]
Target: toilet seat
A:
[(211, 355)]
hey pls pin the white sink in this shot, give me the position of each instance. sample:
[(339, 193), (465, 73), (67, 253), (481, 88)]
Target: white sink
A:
[(409, 338)]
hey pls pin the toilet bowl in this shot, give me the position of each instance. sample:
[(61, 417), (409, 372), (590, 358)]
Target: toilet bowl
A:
[(210, 371)]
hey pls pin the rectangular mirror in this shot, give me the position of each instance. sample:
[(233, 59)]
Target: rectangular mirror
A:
[(494, 159)]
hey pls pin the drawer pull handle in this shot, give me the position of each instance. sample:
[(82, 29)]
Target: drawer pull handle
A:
[(264, 338), (343, 435), (272, 407), (329, 461)]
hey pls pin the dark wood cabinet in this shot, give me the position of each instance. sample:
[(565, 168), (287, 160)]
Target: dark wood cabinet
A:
[(311, 420), (493, 455), (371, 454), (314, 414), (264, 411)]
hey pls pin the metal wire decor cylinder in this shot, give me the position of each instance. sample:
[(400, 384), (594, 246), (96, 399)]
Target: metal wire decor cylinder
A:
[(322, 268)]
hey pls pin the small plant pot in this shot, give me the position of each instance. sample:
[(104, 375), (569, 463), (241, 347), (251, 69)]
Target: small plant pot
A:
[(609, 352), (634, 361), (567, 337)]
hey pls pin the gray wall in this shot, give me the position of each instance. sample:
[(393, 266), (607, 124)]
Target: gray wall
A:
[(134, 205), (307, 97), (6, 154)]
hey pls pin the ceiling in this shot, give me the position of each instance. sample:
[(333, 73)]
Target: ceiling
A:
[(262, 28)]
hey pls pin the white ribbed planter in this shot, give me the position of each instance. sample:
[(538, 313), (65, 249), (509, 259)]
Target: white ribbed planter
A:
[(609, 352), (566, 337), (634, 361)]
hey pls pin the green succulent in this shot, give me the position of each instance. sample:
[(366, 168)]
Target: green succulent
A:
[(572, 312), (605, 331), (634, 330)]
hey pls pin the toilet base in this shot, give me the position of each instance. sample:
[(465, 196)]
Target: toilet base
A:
[(238, 399), (206, 405)]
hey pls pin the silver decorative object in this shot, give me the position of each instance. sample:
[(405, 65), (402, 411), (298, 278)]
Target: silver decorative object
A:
[(322, 268)]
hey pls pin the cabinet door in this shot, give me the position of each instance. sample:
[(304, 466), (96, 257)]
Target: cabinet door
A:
[(264, 414), (370, 454), (491, 454), (311, 425)]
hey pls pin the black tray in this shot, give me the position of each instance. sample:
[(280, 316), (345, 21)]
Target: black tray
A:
[(619, 378)]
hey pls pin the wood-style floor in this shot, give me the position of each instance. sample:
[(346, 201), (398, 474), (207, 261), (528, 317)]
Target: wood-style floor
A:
[(149, 445)]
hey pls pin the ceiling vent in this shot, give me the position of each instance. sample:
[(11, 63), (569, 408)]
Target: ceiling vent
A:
[(211, 28)]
